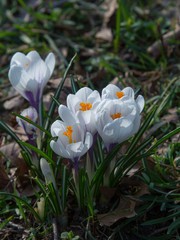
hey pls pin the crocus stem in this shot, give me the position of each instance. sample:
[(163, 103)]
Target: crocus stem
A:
[(90, 151), (34, 154), (76, 169), (89, 167), (76, 178)]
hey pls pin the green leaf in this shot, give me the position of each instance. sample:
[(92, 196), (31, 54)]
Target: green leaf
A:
[(41, 153), (142, 129), (73, 85), (105, 64), (160, 220), (64, 187), (56, 101)]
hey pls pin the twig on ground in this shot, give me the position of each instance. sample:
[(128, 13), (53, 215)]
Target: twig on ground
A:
[(55, 229)]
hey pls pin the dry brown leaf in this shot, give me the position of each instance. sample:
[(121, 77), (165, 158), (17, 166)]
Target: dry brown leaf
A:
[(11, 151), (4, 179), (135, 169), (125, 209), (109, 7), (15, 102), (105, 34), (155, 49), (172, 117)]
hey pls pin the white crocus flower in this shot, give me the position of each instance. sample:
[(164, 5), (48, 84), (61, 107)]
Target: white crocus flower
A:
[(116, 121), (29, 74), (83, 104), (31, 114), (72, 141), (111, 91)]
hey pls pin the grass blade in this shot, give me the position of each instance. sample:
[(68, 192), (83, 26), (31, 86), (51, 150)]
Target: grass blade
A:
[(41, 153)]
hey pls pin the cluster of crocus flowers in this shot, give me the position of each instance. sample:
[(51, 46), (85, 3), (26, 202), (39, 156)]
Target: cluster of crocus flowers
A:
[(115, 116)]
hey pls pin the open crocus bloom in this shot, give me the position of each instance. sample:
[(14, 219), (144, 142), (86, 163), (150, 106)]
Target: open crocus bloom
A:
[(111, 91), (116, 121), (83, 104), (31, 114), (29, 74), (72, 141)]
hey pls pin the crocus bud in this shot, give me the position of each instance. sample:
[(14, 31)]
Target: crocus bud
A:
[(47, 172)]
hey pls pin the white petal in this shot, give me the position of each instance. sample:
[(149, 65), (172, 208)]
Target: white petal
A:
[(94, 97), (18, 78), (83, 93), (66, 115), (112, 131), (109, 92), (136, 124), (128, 91), (75, 149), (59, 149), (38, 70), (126, 130), (73, 103), (140, 102), (50, 62), (88, 140), (19, 59), (56, 126), (78, 132), (33, 56)]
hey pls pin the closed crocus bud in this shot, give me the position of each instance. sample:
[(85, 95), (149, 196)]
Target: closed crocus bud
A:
[(29, 74), (40, 209), (47, 172), (31, 114), (116, 121), (83, 104), (72, 140)]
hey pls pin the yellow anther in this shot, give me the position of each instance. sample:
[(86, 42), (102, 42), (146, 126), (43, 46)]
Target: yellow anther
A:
[(28, 117), (120, 94), (116, 115), (85, 106), (68, 134)]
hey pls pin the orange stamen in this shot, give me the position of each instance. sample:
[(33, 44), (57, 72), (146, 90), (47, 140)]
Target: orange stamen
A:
[(85, 106), (28, 117), (68, 134), (116, 115), (120, 94), (27, 64)]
